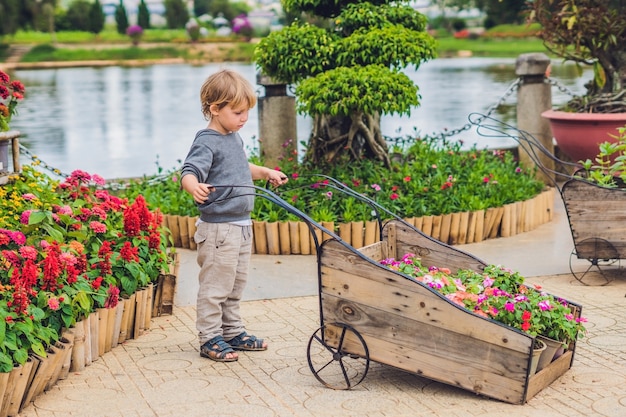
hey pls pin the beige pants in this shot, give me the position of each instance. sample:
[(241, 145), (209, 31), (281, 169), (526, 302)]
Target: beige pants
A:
[(224, 257)]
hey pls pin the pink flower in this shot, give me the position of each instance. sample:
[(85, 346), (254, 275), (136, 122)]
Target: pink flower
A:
[(24, 218), (98, 227), (376, 187), (29, 197), (53, 304), (65, 210), (544, 305), (28, 252), (509, 306), (98, 179)]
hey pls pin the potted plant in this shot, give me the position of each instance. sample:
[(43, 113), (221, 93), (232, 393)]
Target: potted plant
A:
[(587, 32)]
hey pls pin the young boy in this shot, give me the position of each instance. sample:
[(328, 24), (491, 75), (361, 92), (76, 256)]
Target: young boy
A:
[(224, 232)]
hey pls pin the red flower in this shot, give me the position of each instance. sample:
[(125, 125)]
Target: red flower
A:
[(113, 297), (128, 253), (526, 315), (132, 225), (394, 196), (96, 283)]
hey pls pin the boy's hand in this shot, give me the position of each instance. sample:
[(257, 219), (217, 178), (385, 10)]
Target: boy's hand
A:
[(201, 192), (276, 178)]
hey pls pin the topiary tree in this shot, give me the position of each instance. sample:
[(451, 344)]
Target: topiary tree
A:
[(143, 15), (349, 73), (121, 18)]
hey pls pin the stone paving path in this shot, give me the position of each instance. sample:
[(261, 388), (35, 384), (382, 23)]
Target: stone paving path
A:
[(161, 373)]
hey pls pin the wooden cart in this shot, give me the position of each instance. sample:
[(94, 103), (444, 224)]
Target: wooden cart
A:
[(596, 214), (369, 312)]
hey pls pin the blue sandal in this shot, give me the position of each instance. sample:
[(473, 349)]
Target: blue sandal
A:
[(216, 349), (245, 341)]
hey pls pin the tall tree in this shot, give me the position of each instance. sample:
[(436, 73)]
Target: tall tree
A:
[(176, 14), (201, 7), (500, 12), (349, 72), (143, 15), (9, 16), (96, 17), (78, 14), (121, 18)]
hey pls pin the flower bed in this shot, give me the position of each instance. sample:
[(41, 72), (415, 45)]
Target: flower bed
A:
[(452, 195), (294, 238), (70, 251)]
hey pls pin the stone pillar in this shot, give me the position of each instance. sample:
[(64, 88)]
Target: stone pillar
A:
[(278, 134), (534, 96), (6, 138)]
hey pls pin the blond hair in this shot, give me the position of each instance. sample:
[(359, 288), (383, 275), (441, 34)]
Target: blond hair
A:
[(223, 88)]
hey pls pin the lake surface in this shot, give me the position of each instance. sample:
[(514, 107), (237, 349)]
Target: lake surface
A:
[(124, 122)]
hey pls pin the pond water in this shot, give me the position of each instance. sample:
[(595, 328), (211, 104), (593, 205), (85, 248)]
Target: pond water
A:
[(125, 122)]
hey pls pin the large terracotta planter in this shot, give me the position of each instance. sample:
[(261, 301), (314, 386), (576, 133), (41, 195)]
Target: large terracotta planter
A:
[(578, 135)]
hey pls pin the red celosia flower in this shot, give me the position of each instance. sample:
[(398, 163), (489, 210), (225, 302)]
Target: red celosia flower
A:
[(30, 273), (113, 297), (128, 253), (96, 283), (51, 268), (132, 225)]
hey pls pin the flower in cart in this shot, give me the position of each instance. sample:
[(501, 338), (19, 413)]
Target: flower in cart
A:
[(11, 92), (499, 294)]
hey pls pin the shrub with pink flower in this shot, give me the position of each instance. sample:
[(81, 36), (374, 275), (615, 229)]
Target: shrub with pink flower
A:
[(242, 26)]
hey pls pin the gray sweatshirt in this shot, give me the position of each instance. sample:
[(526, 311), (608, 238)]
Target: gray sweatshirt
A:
[(218, 159)]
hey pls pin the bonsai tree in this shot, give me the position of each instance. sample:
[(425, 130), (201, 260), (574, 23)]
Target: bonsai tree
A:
[(588, 32), (348, 70)]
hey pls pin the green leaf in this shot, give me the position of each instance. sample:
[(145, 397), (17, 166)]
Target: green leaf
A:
[(39, 349), (36, 217)]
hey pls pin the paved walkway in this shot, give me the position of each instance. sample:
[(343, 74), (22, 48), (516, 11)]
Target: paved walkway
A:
[(161, 373)]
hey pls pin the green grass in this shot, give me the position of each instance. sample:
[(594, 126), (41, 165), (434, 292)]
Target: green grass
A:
[(492, 47), (42, 53), (107, 36)]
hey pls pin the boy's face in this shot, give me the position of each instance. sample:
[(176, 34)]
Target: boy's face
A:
[(229, 119)]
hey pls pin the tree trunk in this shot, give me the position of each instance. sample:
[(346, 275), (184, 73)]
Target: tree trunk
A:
[(358, 136)]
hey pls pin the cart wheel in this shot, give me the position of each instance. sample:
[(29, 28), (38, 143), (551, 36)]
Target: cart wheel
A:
[(343, 345), (600, 253)]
